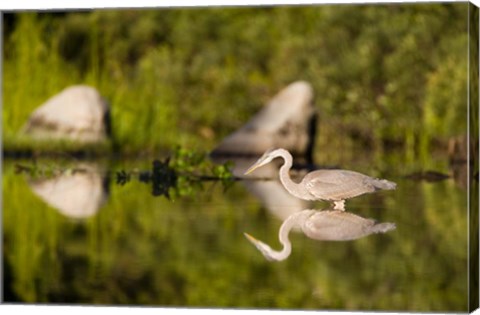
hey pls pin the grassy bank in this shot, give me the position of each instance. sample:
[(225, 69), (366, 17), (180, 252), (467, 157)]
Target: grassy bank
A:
[(382, 74)]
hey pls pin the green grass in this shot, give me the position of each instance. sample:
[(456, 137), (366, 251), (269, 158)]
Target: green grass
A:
[(190, 77)]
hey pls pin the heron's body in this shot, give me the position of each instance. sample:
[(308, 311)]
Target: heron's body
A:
[(330, 185), (336, 185)]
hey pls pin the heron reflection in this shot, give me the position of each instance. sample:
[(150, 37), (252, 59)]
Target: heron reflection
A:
[(325, 225), (330, 185)]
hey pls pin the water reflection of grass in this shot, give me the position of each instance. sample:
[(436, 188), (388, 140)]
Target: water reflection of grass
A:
[(191, 252)]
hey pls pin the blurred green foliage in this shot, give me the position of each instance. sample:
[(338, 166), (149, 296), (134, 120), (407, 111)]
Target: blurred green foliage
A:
[(383, 74)]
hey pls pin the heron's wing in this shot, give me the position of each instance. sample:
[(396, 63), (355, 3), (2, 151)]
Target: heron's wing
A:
[(337, 184)]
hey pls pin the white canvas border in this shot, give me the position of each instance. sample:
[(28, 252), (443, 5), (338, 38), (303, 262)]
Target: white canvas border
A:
[(19, 5)]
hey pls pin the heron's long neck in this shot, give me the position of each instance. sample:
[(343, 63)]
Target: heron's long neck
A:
[(295, 189), (287, 225)]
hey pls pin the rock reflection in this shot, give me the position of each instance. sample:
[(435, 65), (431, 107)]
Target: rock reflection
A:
[(324, 225), (76, 193)]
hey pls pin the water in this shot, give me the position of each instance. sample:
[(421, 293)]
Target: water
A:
[(85, 236)]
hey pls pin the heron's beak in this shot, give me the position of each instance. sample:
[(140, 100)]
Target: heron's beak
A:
[(251, 169), (251, 238)]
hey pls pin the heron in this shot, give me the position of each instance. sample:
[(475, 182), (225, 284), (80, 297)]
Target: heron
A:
[(326, 225), (333, 185)]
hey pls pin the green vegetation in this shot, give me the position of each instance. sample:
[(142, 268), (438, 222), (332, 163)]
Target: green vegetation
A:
[(180, 175), (383, 74)]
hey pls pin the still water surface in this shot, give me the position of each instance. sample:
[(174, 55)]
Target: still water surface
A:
[(86, 236)]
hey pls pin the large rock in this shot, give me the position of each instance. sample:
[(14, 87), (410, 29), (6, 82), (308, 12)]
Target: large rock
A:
[(77, 113), (287, 121)]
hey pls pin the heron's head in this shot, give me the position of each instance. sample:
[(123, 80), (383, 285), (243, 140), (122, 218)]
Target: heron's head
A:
[(266, 158), (266, 250)]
